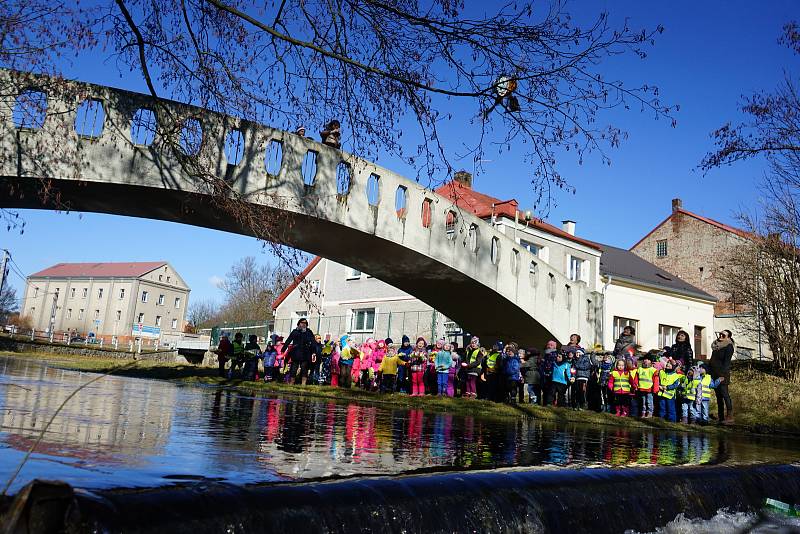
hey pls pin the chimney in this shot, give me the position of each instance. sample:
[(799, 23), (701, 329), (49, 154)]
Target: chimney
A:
[(464, 178), (568, 226), (676, 204)]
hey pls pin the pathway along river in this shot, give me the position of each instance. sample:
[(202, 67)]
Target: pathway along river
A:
[(132, 433)]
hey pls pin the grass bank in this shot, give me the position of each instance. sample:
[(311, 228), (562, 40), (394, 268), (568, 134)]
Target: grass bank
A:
[(763, 403)]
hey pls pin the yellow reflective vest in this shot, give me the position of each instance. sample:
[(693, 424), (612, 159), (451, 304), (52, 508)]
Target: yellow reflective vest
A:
[(622, 382), (646, 378), (491, 361), (692, 388), (666, 379)]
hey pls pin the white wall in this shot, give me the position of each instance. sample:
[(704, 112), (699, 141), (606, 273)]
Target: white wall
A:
[(651, 309)]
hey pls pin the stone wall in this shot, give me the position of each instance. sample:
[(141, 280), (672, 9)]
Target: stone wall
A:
[(18, 345)]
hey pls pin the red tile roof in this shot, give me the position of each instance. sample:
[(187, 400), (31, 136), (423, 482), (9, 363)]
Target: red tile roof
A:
[(712, 222), (480, 205), (99, 270), (296, 282)]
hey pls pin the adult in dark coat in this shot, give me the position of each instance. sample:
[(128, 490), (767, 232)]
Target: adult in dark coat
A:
[(720, 366), (303, 348), (682, 350)]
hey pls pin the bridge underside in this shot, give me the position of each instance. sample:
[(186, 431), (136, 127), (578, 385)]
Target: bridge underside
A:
[(476, 307)]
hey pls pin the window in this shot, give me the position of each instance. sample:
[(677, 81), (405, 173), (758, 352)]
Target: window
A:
[(177, 303), (363, 320), (69, 313), (80, 314), (141, 318), (121, 294), (343, 178), (373, 189), (661, 248), (300, 314), (353, 273), (144, 296), (575, 269), (274, 157), (450, 224), (72, 293), (35, 292), (161, 300), (158, 320), (472, 238), (85, 292), (533, 249), (621, 322), (143, 127), (533, 270), (174, 324), (119, 315), (666, 335), (515, 261), (309, 168), (100, 293), (97, 314), (400, 201), (494, 254)]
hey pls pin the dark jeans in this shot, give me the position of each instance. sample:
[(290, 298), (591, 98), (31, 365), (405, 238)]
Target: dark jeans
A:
[(303, 366), (387, 383), (222, 362), (723, 400), (345, 377), (556, 392)]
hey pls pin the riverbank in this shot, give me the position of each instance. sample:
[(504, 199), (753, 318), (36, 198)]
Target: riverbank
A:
[(764, 404)]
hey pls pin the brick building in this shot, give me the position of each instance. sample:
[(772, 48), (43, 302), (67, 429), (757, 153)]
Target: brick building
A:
[(695, 248)]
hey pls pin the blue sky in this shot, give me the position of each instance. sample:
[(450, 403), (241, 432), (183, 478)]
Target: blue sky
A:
[(710, 54)]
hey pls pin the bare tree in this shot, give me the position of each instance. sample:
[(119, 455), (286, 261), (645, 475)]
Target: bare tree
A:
[(201, 312), (250, 289), (8, 302), (764, 274)]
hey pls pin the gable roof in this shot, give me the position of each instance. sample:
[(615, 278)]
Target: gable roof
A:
[(707, 220), (99, 270), (623, 264), (480, 205), (296, 282)]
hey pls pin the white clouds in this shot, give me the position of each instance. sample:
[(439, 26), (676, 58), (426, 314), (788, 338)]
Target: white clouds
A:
[(215, 280)]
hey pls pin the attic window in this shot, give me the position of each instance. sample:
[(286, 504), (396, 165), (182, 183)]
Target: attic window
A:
[(661, 248), (663, 277)]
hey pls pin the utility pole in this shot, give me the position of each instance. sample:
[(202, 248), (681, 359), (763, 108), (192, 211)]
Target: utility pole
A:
[(3, 269)]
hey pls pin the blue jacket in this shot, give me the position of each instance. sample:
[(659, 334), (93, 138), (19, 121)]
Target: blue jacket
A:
[(512, 366), (269, 357), (561, 372), (444, 359)]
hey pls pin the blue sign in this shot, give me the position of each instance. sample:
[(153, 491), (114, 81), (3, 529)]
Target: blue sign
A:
[(140, 330)]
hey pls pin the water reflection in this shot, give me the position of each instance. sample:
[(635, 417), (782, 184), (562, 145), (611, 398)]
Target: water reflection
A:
[(128, 432)]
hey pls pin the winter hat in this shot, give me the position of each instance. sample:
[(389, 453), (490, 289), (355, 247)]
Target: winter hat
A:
[(405, 339), (388, 341), (440, 343), (475, 339)]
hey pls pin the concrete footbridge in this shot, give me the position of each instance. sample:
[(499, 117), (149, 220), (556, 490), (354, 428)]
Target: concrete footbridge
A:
[(99, 149)]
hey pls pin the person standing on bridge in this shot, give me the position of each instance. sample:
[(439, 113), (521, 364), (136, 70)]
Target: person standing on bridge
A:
[(331, 135), (302, 348)]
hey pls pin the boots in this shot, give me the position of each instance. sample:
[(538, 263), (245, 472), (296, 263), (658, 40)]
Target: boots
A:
[(685, 420), (728, 418)]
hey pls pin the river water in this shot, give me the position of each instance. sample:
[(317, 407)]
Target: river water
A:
[(126, 432)]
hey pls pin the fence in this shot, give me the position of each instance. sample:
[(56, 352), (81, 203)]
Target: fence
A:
[(65, 338)]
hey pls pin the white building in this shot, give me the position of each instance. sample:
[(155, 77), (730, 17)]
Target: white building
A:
[(635, 291)]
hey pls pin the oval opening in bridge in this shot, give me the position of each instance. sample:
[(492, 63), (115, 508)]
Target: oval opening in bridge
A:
[(273, 159), (551, 287), (30, 110), (343, 178), (234, 147), (143, 127), (515, 261), (191, 137), (427, 213), (533, 271), (568, 295), (401, 201), (495, 251), (310, 168), (374, 189), (472, 238), (90, 119), (450, 223)]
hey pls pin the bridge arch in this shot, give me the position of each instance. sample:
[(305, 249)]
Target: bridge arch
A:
[(446, 257)]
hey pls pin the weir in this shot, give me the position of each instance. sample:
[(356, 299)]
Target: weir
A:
[(589, 500)]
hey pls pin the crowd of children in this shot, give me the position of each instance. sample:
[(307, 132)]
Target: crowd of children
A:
[(666, 383)]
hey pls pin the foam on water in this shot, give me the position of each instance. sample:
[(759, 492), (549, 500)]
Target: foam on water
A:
[(729, 522)]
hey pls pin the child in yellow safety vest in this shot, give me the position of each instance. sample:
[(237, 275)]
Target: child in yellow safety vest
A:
[(622, 384), (668, 383), (647, 385), (698, 394)]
